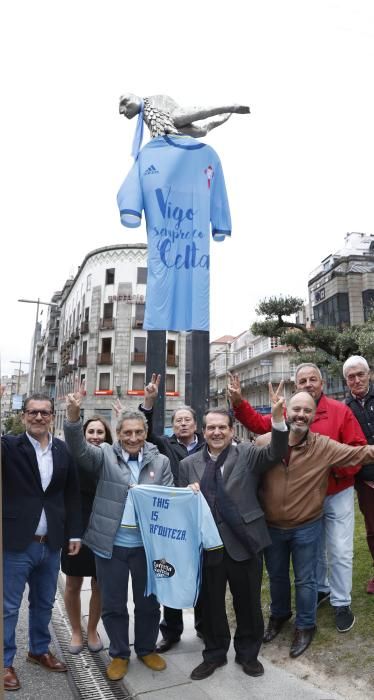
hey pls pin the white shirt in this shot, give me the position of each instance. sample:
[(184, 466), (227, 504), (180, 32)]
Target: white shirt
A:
[(134, 464), (191, 445), (45, 464)]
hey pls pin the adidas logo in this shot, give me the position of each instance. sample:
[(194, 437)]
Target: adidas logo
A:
[(151, 170)]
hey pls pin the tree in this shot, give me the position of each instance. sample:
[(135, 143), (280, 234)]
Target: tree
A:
[(325, 346), (13, 424)]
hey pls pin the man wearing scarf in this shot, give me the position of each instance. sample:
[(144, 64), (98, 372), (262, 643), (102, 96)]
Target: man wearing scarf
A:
[(228, 475)]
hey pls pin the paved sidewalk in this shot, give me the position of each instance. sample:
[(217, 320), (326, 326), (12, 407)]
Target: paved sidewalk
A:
[(36, 682), (227, 683)]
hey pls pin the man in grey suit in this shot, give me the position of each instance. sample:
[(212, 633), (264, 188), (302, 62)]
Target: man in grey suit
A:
[(228, 477)]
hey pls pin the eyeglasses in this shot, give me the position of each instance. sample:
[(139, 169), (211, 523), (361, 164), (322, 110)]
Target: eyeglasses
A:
[(34, 414)]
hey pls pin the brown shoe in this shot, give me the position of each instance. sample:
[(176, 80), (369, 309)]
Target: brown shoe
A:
[(11, 681), (117, 668), (153, 661), (48, 661)]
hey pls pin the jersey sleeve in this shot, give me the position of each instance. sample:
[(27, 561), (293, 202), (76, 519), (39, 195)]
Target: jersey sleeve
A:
[(209, 534), (130, 198), (219, 206)]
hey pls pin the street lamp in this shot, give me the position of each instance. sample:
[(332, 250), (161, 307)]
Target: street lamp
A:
[(38, 303), (19, 363)]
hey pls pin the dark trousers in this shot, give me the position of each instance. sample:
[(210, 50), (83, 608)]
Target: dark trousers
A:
[(244, 579), (171, 626), (113, 579), (365, 496)]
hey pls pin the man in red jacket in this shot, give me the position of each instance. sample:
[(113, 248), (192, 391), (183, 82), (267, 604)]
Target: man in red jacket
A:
[(334, 419)]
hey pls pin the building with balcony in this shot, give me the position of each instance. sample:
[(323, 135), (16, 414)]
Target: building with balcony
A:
[(101, 339), (341, 288), (257, 361), (46, 351)]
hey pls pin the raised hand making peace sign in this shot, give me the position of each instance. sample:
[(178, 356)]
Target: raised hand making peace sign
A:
[(278, 402), (73, 403)]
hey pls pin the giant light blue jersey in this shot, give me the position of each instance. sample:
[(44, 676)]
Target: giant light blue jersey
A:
[(179, 183), (175, 524)]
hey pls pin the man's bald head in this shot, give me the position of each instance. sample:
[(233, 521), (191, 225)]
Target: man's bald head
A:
[(301, 409)]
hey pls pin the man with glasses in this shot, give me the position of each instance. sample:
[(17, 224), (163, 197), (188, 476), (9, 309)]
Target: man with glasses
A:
[(41, 507)]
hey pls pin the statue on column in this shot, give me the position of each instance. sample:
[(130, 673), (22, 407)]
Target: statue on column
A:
[(179, 183), (163, 115)]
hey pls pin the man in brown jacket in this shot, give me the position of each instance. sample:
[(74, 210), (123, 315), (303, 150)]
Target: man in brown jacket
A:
[(292, 495)]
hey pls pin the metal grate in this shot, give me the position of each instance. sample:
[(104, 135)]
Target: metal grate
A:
[(87, 670)]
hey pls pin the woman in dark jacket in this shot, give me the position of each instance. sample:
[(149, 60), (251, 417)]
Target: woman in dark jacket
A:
[(96, 431)]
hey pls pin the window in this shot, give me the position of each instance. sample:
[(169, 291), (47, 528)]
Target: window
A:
[(138, 381), (84, 348), (171, 358), (170, 382), (171, 347), (333, 311), (109, 275), (142, 275), (106, 346), (368, 303), (88, 284), (104, 381), (106, 413), (139, 315), (108, 310), (139, 345), (87, 313)]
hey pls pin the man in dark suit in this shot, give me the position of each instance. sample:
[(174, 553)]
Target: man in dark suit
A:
[(41, 507), (228, 477)]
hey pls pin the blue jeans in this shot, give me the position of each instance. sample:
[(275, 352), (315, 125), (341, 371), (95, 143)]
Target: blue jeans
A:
[(335, 552), (113, 580), (301, 545), (38, 566)]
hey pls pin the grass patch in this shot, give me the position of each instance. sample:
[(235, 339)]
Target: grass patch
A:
[(350, 654)]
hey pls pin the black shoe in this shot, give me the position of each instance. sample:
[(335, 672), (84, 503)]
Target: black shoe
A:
[(322, 597), (275, 625), (344, 618), (251, 668), (206, 669), (301, 641), (165, 644)]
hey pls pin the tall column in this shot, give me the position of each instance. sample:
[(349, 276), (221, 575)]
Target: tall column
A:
[(156, 362), (197, 373)]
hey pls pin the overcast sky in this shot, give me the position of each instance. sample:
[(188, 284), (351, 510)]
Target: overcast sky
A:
[(299, 170)]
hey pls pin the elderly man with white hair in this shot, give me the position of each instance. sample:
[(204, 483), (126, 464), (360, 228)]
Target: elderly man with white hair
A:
[(356, 373)]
